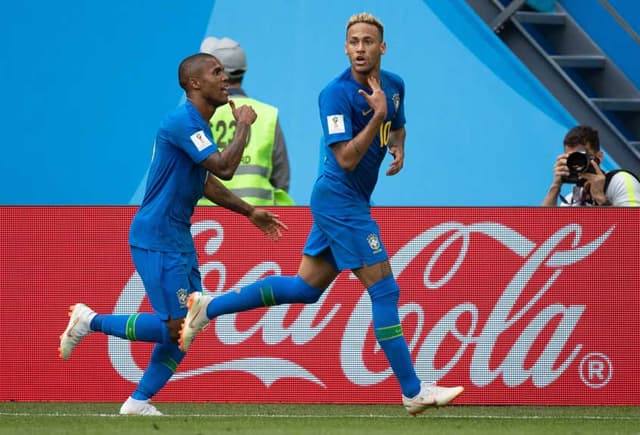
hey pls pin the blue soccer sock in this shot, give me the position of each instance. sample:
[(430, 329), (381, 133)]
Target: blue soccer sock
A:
[(386, 324), (163, 364), (134, 327), (273, 290)]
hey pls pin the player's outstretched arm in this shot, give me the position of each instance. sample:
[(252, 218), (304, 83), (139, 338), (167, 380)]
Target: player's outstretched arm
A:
[(266, 221)]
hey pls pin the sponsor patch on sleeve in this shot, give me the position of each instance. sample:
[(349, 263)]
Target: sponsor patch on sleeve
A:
[(200, 140), (335, 124)]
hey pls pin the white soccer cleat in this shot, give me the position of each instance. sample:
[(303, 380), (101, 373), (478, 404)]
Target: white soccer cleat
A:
[(138, 407), (80, 317), (430, 395), (195, 320)]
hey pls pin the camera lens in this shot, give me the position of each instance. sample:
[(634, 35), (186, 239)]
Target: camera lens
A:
[(577, 162)]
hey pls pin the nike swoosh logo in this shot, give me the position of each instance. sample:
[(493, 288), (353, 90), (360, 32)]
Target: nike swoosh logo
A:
[(191, 325), (69, 334), (366, 112)]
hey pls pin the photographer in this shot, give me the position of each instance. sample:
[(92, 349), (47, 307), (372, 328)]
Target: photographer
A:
[(580, 165)]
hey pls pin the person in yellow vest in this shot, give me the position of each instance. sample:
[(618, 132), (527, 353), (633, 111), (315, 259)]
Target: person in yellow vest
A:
[(262, 178)]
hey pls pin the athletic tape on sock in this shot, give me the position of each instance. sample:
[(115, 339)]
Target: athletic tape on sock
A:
[(389, 332), (171, 364), (266, 293), (131, 327)]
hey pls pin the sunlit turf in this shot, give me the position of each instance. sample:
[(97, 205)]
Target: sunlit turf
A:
[(205, 418)]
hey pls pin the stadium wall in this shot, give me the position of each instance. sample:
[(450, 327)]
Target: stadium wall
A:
[(519, 305), (89, 83)]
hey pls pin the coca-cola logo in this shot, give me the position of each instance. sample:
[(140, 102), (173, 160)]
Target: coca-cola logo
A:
[(479, 339)]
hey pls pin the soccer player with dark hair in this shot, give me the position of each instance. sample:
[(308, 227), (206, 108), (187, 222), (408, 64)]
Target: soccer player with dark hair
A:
[(184, 157)]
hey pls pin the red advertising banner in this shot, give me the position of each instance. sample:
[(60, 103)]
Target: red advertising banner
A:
[(519, 305)]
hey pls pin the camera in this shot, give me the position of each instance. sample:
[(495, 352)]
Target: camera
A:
[(579, 162)]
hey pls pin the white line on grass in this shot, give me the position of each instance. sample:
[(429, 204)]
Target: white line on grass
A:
[(470, 416)]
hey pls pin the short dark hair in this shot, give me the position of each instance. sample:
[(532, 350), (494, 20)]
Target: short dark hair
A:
[(191, 66), (583, 135)]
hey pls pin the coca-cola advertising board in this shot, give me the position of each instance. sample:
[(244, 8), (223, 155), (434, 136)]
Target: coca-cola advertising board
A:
[(518, 305)]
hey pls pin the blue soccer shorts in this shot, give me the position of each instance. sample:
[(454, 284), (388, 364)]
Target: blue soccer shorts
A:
[(169, 278), (354, 241)]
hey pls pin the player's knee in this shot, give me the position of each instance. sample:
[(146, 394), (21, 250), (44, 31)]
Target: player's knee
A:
[(306, 293)]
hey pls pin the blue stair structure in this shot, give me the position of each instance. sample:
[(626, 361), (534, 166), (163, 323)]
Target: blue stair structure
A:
[(566, 60)]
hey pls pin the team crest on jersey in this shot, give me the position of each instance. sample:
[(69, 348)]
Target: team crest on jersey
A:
[(374, 243), (182, 297), (396, 102), (200, 140)]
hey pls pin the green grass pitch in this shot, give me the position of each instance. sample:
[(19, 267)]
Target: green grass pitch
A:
[(294, 419)]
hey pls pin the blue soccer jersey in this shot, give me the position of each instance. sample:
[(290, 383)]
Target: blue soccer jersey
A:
[(343, 114), (343, 231), (175, 182)]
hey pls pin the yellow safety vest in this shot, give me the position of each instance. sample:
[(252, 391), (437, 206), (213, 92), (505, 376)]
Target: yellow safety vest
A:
[(251, 180)]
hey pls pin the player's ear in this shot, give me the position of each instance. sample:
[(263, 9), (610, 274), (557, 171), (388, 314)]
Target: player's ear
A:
[(383, 47), (194, 83)]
